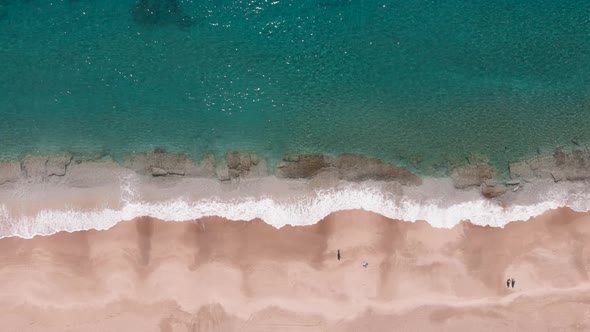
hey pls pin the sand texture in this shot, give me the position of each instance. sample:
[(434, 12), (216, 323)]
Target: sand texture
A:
[(218, 275)]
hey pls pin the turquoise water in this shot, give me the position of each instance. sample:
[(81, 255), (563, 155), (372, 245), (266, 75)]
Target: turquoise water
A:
[(421, 83)]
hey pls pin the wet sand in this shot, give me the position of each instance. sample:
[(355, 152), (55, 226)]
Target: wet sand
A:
[(218, 275)]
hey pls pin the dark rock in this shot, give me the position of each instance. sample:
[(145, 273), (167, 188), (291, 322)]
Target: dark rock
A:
[(241, 164), (493, 191), (473, 175), (303, 166), (10, 171), (240, 161), (160, 150), (361, 168), (347, 167)]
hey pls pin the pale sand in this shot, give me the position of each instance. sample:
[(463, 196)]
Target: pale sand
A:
[(218, 275)]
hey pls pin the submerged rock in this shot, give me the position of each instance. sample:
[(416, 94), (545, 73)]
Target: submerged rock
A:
[(160, 164), (156, 171), (239, 165), (58, 164), (346, 167), (559, 167), (493, 191), (10, 171), (361, 168), (303, 166), (474, 175), (222, 172), (41, 167)]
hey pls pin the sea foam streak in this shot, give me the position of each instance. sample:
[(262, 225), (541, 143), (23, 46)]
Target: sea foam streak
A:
[(442, 210)]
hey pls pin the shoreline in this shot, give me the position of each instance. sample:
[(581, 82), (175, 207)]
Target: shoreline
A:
[(44, 195), (142, 272)]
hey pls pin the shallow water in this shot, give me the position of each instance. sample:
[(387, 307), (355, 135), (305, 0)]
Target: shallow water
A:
[(421, 83)]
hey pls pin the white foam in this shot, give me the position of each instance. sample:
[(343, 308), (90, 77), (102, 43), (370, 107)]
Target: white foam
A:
[(308, 208)]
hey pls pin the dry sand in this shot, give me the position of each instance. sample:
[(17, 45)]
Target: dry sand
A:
[(219, 275)]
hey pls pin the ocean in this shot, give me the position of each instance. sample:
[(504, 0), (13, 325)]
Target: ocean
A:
[(423, 84)]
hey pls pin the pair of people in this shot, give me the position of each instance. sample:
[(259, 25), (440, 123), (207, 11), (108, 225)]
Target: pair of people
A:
[(510, 282)]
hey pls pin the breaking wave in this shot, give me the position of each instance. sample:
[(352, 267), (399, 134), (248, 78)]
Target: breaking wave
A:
[(303, 209)]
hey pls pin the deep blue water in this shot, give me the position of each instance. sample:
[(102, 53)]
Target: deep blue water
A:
[(422, 83)]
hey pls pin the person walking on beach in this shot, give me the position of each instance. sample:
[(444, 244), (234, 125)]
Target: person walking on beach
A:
[(338, 254), (508, 282), (513, 282)]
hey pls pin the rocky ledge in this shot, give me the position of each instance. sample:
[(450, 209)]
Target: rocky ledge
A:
[(65, 168), (241, 164), (234, 165), (345, 167), (479, 175), (560, 166), (39, 167), (9, 171), (161, 163), (34, 167), (473, 175)]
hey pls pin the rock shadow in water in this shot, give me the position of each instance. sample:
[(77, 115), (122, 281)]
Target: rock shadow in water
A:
[(160, 13)]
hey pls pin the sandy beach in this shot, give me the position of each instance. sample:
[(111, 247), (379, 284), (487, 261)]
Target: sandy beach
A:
[(218, 275), (294, 165)]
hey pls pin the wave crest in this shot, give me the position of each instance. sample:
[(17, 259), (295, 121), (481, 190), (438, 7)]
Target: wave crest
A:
[(441, 210)]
